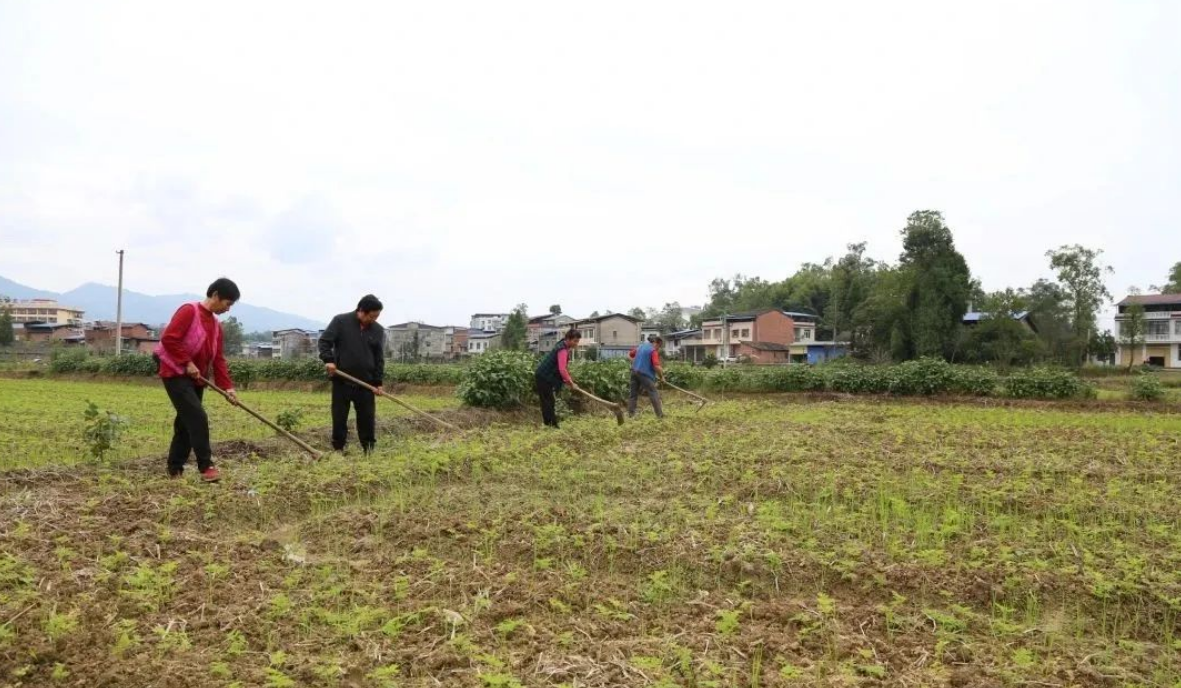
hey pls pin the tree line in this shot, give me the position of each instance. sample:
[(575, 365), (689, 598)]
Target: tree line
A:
[(915, 308)]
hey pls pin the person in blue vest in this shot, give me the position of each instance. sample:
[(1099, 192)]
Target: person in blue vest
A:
[(553, 372), (646, 370)]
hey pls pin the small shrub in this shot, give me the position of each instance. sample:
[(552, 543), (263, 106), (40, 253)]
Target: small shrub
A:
[(132, 365), (974, 381), (924, 377), (857, 379), (684, 375), (69, 361), (101, 431), (498, 379), (605, 379), (1147, 387), (290, 419), (709, 361), (1046, 383), (793, 378), (241, 372)]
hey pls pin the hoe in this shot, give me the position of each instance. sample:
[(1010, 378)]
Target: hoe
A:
[(617, 409), (302, 445), (393, 398)]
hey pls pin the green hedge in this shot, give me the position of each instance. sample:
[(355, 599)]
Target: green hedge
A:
[(609, 379), (245, 371), (924, 377)]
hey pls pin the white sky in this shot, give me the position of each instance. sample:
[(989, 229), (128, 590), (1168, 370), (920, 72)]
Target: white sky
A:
[(463, 157)]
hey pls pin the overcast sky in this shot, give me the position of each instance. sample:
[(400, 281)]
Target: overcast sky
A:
[(462, 157)]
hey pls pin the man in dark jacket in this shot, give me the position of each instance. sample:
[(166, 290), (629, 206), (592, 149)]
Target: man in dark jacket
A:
[(355, 343)]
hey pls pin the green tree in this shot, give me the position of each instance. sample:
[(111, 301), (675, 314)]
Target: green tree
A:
[(638, 313), (594, 314), (555, 309), (1132, 326), (514, 335), (7, 335), (851, 285), (1049, 309), (1081, 274), (1173, 286), (939, 284), (670, 318), (231, 336), (883, 316), (410, 349), (1103, 346), (999, 337)]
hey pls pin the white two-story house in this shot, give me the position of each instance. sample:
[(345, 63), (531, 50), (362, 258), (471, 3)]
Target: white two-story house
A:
[(1160, 343)]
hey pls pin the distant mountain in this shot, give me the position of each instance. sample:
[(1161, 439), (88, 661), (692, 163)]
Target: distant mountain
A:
[(98, 300), (15, 290)]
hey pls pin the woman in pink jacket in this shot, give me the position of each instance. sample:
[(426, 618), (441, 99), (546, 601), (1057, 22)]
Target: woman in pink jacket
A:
[(190, 348)]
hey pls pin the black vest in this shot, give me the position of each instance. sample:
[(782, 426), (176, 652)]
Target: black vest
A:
[(548, 368)]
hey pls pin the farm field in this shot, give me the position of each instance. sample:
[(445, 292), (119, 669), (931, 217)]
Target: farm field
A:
[(761, 542), (43, 420)]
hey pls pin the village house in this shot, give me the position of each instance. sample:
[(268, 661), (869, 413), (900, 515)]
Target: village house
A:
[(414, 341), (137, 337), (613, 335), (481, 341), (43, 311), (455, 341), (767, 336), (674, 340), (263, 350), (1160, 342), (488, 322), (295, 343), (544, 331), (973, 318), (48, 333)]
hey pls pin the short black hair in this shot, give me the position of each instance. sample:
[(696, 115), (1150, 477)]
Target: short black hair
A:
[(573, 333), (369, 303), (657, 339), (225, 288)]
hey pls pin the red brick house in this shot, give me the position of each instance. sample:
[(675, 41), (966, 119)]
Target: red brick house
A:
[(764, 336), (138, 337)]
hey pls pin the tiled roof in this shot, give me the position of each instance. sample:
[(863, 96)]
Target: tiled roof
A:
[(1152, 300)]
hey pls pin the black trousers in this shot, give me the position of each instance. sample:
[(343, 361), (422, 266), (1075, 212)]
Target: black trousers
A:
[(190, 429), (365, 403), (547, 391)]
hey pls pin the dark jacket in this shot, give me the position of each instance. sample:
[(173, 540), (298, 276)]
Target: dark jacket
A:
[(548, 368), (358, 352)]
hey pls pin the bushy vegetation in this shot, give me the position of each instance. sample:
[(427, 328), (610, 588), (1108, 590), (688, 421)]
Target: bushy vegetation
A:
[(609, 379), (245, 371), (1147, 387), (1046, 383), (499, 379), (922, 377)]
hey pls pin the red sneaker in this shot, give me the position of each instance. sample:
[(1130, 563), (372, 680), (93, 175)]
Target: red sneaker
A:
[(210, 475)]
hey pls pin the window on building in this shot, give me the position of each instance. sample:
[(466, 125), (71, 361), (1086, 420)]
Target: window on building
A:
[(615, 334), (746, 332), (1158, 328), (1177, 327), (734, 334)]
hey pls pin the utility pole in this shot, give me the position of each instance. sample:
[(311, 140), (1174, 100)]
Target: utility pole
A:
[(119, 310), (725, 340)]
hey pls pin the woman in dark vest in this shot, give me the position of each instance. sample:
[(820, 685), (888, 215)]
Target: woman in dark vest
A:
[(552, 372)]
